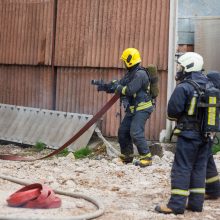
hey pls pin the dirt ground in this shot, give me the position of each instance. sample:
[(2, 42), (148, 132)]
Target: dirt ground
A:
[(127, 192)]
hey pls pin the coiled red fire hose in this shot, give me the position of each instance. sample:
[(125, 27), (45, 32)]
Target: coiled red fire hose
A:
[(34, 196), (70, 141), (16, 199)]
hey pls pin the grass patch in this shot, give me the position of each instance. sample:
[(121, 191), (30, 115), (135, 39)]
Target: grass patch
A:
[(82, 153), (63, 153), (215, 148), (39, 146)]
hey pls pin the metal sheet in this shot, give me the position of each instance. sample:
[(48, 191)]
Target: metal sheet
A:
[(188, 11), (26, 31), (32, 125), (90, 37), (94, 33), (76, 94), (189, 8), (27, 86), (207, 34)]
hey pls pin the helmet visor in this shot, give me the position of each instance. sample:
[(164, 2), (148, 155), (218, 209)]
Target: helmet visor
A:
[(179, 68)]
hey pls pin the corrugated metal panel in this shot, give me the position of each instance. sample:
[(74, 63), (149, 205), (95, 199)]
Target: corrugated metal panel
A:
[(26, 86), (76, 94), (94, 33), (32, 125), (90, 35), (207, 34), (26, 31)]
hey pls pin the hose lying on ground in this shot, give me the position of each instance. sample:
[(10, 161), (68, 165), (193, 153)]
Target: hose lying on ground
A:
[(92, 215)]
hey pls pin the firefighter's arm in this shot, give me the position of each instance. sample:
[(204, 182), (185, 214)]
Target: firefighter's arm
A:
[(177, 103), (132, 87)]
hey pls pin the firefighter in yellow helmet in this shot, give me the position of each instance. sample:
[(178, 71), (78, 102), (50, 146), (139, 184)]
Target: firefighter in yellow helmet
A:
[(137, 101)]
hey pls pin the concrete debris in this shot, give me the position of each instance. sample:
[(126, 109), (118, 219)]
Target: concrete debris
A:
[(127, 191), (111, 151)]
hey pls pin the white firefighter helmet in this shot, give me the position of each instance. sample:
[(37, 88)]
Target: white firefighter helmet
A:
[(191, 62)]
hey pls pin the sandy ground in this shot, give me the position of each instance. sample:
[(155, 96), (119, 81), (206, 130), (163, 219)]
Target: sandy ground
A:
[(126, 191)]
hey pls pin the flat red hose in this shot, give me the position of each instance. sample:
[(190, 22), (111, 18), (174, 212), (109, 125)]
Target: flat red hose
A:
[(34, 196), (71, 140)]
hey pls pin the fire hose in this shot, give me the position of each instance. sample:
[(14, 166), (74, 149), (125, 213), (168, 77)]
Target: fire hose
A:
[(71, 140), (92, 215), (99, 205)]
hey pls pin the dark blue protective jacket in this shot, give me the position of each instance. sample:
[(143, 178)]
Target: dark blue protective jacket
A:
[(181, 106), (134, 86)]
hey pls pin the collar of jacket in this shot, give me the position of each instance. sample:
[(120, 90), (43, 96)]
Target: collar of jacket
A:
[(199, 77), (134, 68)]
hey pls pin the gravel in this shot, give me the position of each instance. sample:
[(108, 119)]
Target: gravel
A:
[(127, 192)]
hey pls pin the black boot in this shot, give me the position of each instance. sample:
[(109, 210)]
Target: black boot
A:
[(126, 158), (144, 160), (164, 209)]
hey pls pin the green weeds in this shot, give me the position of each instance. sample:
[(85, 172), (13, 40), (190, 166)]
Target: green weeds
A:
[(63, 153), (79, 154), (82, 153), (39, 146), (215, 148)]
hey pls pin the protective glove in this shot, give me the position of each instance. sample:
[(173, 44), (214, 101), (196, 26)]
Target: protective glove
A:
[(112, 86), (118, 89), (107, 87)]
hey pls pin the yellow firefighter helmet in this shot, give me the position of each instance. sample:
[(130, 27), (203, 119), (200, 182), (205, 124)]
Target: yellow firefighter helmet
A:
[(131, 57)]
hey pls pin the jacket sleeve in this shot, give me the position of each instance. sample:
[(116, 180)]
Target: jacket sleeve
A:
[(177, 103), (140, 79)]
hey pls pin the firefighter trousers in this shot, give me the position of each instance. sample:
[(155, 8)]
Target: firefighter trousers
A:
[(212, 177), (189, 172), (131, 131)]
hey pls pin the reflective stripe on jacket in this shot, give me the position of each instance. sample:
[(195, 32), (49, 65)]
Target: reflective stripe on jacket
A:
[(134, 88)]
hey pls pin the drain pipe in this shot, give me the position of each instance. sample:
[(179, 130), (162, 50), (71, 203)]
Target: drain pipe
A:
[(165, 134)]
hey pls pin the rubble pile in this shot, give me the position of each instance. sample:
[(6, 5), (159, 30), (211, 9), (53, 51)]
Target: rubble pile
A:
[(127, 191)]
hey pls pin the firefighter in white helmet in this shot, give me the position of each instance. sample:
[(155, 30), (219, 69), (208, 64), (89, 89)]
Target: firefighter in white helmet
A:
[(188, 173)]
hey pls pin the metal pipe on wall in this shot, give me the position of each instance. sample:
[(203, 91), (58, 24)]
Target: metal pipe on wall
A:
[(165, 134)]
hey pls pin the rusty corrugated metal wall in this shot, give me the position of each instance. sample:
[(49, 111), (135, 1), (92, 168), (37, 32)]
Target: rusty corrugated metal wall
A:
[(89, 39), (74, 81), (105, 29), (26, 31), (94, 33), (26, 86)]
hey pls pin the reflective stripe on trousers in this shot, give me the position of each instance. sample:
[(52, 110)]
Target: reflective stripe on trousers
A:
[(180, 192), (197, 190), (212, 179)]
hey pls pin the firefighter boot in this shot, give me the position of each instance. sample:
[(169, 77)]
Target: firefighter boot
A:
[(193, 209), (164, 209), (126, 158), (144, 160), (211, 197)]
